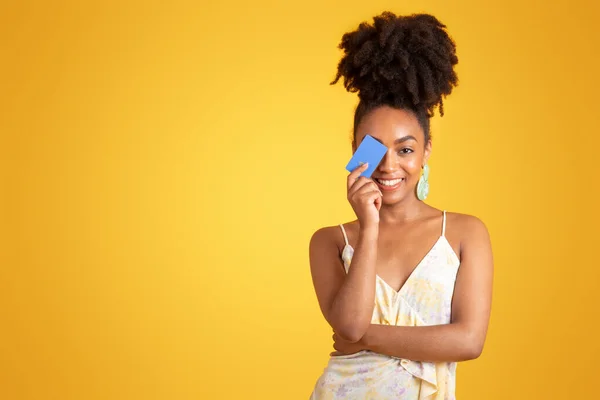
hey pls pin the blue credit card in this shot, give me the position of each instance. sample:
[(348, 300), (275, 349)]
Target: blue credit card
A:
[(369, 151)]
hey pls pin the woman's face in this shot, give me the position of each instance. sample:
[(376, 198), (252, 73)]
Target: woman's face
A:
[(399, 171)]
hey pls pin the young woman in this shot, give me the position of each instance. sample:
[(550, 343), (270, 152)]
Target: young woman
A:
[(406, 287)]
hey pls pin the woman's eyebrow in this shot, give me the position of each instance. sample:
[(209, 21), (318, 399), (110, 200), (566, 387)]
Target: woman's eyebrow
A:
[(404, 139)]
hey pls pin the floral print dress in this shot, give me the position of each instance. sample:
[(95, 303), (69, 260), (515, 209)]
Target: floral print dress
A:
[(424, 299)]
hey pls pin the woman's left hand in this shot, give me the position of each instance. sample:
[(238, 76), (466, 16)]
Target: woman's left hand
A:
[(344, 348)]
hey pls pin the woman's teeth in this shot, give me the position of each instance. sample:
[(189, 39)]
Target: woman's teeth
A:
[(388, 182)]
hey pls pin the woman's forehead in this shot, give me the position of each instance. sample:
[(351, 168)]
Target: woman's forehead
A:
[(388, 124)]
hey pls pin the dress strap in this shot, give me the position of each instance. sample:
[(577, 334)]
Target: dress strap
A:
[(344, 232), (444, 224)]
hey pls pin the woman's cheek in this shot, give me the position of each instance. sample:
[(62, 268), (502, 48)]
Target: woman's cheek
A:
[(413, 164)]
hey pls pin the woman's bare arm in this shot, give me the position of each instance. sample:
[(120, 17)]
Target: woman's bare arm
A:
[(346, 301), (462, 339)]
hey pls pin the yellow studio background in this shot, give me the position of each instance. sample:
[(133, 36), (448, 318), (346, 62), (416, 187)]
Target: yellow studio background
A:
[(164, 166)]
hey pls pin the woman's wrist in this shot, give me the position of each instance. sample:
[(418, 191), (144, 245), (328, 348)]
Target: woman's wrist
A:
[(369, 231)]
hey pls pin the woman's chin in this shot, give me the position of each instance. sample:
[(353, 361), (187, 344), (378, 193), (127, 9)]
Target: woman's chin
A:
[(389, 199)]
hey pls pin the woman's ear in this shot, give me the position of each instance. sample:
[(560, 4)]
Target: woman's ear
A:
[(427, 152)]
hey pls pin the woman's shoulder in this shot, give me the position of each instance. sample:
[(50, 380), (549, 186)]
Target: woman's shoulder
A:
[(327, 235), (464, 220), (333, 235), (465, 231), (465, 225)]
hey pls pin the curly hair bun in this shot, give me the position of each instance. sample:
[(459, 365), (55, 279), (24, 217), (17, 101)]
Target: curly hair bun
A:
[(401, 61)]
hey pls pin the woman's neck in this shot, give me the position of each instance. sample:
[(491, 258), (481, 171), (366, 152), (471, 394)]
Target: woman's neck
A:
[(403, 212)]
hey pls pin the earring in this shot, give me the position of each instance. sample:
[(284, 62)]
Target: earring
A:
[(423, 185)]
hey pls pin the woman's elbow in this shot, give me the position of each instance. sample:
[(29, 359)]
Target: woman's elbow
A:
[(473, 352), (473, 347), (352, 331)]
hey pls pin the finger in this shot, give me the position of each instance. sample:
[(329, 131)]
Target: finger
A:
[(366, 188), (359, 184), (356, 173), (369, 187), (372, 197)]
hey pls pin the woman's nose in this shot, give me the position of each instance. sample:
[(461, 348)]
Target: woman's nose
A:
[(388, 163)]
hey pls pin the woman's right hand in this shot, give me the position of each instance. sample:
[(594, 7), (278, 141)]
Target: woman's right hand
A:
[(364, 197)]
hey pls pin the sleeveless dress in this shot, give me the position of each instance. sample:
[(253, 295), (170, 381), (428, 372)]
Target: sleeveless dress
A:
[(424, 299)]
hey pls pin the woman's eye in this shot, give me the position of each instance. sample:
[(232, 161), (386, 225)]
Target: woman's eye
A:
[(405, 150)]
